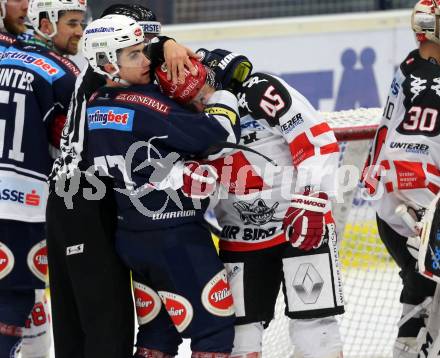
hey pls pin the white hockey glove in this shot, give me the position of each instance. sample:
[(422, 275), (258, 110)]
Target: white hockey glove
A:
[(413, 242), (304, 222), (199, 180)]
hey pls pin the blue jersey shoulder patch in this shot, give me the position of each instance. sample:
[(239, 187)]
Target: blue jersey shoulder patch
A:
[(116, 118), (45, 67)]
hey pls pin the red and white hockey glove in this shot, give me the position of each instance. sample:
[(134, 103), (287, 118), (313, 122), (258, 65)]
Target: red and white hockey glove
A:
[(199, 180), (304, 223)]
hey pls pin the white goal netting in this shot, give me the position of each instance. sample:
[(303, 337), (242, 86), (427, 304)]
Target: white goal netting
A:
[(371, 281)]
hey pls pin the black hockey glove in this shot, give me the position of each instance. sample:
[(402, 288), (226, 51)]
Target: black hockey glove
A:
[(154, 51), (230, 69)]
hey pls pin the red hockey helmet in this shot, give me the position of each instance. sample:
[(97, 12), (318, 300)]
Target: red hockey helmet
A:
[(182, 92)]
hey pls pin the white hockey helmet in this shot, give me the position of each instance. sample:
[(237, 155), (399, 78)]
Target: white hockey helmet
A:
[(103, 37), (52, 9), (3, 8), (425, 21), (2, 14)]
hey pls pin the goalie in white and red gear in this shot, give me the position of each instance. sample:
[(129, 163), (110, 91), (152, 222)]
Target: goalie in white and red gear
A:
[(268, 238), (403, 166)]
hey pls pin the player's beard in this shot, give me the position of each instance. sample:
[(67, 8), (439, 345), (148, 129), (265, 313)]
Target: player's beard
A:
[(14, 28), (70, 47)]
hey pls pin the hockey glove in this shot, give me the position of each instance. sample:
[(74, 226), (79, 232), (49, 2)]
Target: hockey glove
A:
[(198, 180), (304, 223), (155, 51), (230, 69)]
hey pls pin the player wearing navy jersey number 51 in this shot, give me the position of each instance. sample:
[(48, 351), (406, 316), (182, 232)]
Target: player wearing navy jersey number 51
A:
[(135, 134), (264, 204), (404, 166), (37, 82)]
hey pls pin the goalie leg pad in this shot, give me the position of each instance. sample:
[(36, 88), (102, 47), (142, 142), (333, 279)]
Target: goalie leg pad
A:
[(430, 337), (429, 251), (412, 331), (316, 338), (248, 339), (412, 319), (405, 347)]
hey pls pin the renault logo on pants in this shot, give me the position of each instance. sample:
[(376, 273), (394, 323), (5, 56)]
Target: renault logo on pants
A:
[(308, 283)]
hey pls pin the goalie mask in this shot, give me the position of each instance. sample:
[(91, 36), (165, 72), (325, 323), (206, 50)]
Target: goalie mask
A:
[(425, 21)]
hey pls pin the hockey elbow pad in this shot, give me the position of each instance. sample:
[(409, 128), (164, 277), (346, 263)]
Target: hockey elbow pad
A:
[(231, 69)]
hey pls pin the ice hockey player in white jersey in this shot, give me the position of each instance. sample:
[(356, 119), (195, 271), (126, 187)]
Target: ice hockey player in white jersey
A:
[(275, 211), (403, 164)]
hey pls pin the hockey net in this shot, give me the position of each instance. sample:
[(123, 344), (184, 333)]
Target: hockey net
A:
[(370, 277)]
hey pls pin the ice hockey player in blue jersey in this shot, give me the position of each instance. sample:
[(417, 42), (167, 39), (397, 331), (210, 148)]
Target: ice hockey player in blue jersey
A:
[(135, 134), (36, 83), (12, 18), (80, 283)]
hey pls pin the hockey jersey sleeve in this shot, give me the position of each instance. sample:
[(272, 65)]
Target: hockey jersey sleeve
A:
[(313, 146), (394, 107), (198, 135), (154, 129), (371, 171)]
